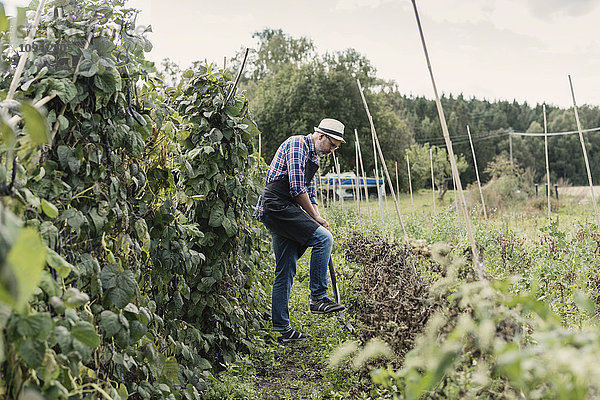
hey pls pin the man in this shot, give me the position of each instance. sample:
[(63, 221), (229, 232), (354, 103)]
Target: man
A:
[(290, 211)]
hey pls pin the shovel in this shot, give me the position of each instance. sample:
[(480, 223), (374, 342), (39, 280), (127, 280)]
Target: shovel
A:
[(336, 291)]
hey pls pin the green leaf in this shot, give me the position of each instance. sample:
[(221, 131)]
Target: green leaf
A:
[(134, 143), (64, 153), (109, 81), (62, 266), (230, 226), (141, 229), (584, 302), (25, 261), (8, 135), (146, 129), (109, 323), (126, 287), (48, 284), (36, 325), (85, 333), (122, 391), (64, 88), (74, 298), (32, 352), (17, 36), (137, 330), (63, 338), (58, 304), (171, 370), (4, 22), (217, 213), (63, 122), (108, 276), (49, 209), (204, 364), (35, 124)]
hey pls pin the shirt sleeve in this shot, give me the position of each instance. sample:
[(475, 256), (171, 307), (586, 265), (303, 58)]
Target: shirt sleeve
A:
[(296, 163), (312, 191)]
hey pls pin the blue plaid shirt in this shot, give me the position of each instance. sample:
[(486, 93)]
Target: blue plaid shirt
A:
[(290, 160)]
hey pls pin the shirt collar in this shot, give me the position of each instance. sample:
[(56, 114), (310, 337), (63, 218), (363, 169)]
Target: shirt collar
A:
[(311, 147)]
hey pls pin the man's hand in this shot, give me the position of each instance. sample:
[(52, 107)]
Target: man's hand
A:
[(311, 209), (323, 222)]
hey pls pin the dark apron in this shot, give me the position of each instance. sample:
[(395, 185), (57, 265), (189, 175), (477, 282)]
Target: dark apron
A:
[(282, 215)]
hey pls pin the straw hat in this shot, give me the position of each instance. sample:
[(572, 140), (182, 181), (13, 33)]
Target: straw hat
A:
[(332, 128)]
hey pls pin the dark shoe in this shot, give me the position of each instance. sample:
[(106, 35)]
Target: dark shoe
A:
[(325, 306), (292, 335)]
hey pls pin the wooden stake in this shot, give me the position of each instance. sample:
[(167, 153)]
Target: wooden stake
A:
[(476, 262), (547, 162), (320, 189), (337, 166), (397, 184), (387, 174), (510, 146), (380, 202), (454, 190), (379, 194), (585, 157), (357, 178), (412, 203), (432, 179), (364, 176), (477, 173), (28, 41)]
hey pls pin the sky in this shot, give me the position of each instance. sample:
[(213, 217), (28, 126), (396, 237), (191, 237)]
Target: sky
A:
[(520, 50)]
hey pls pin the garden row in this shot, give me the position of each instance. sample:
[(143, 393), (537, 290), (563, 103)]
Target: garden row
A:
[(128, 264)]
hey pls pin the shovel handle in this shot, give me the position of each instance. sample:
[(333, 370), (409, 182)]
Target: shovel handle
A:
[(336, 291)]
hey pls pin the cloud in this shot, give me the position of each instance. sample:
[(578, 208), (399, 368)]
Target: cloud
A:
[(349, 5), (572, 8)]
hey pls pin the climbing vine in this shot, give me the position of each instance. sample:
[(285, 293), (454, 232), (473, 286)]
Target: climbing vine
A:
[(129, 263)]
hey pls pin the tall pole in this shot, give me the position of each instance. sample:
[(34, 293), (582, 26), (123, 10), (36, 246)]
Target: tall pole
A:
[(477, 173), (412, 203), (397, 184), (432, 179), (379, 194), (320, 190), (585, 157), (337, 166), (357, 181), (380, 201), (510, 146), (24, 57), (364, 176), (385, 169), (547, 162), (476, 262)]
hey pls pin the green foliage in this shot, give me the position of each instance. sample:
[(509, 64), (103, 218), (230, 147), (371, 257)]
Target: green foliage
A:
[(421, 161), (128, 263)]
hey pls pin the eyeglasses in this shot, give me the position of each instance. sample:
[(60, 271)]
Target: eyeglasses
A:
[(333, 146)]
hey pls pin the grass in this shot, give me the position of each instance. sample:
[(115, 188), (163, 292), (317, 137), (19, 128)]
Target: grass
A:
[(300, 370)]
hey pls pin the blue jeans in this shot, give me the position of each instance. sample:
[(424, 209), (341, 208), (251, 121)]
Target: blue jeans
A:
[(287, 253)]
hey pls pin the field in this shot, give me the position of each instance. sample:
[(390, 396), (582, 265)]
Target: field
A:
[(131, 266), (544, 281)]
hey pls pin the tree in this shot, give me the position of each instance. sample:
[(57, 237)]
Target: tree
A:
[(442, 170)]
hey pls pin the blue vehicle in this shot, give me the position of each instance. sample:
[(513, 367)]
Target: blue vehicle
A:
[(345, 185)]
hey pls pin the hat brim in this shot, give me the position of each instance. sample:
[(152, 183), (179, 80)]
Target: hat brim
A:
[(331, 135)]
